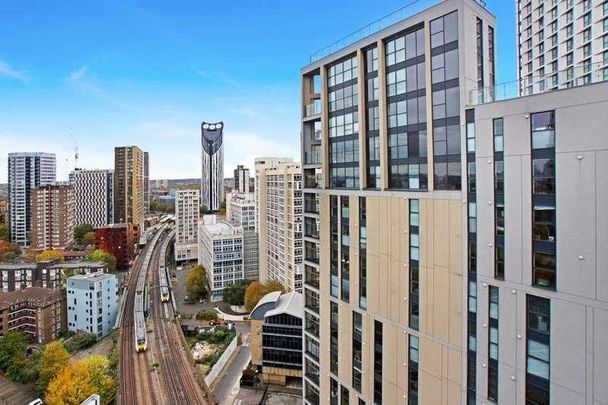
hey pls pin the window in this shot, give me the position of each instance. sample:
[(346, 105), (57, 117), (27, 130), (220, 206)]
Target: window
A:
[(377, 362), (333, 392), (362, 253), (493, 344), (373, 118), (499, 207), (345, 248), (333, 247), (333, 350), (357, 334), (538, 351), (413, 370), (414, 255)]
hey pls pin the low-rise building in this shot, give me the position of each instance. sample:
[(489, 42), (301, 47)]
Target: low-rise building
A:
[(37, 312), (19, 276), (92, 303), (220, 251), (276, 337), (119, 240)]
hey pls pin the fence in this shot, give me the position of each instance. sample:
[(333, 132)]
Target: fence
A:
[(219, 365)]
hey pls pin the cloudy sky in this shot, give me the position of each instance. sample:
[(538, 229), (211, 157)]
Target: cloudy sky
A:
[(147, 73)]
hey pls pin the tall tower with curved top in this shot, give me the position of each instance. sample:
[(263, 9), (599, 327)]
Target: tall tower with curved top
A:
[(212, 179)]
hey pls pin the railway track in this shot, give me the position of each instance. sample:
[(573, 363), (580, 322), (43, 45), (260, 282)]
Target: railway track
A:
[(174, 381)]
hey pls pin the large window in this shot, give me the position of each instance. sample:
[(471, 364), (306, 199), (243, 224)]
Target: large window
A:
[(357, 350), (414, 254), (372, 118), (333, 246), (362, 253), (333, 327), (343, 124), (413, 355), (544, 237), (499, 199), (493, 344), (446, 102), (345, 248), (406, 110), (538, 350), (377, 362)]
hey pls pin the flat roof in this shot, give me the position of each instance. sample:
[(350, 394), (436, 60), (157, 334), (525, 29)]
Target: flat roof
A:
[(92, 277)]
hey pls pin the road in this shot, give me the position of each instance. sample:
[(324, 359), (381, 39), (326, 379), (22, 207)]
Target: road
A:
[(230, 377)]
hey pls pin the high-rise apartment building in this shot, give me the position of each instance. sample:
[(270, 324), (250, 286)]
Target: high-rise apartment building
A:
[(220, 251), (278, 199), (212, 158), (241, 179), (147, 182), (52, 216), (129, 193), (187, 205), (240, 210), (385, 214), (92, 303), (537, 242), (93, 197), (25, 172), (561, 43)]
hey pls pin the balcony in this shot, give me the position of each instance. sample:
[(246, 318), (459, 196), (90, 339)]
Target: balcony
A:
[(313, 109)]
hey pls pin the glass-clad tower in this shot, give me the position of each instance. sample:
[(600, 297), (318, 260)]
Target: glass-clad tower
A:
[(212, 179)]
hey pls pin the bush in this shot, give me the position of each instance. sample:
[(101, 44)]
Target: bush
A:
[(235, 294), (80, 342), (206, 315)]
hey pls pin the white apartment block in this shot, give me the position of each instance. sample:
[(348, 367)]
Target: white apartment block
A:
[(93, 197), (240, 210), (25, 172), (187, 203), (278, 196), (562, 43), (220, 252), (92, 303)]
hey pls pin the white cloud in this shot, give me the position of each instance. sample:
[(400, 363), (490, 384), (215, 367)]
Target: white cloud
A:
[(80, 80), (7, 70)]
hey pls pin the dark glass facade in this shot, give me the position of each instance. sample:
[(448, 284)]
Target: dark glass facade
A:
[(362, 253), (414, 263), (373, 118), (493, 307), (538, 350), (413, 352), (499, 198), (377, 362), (357, 350)]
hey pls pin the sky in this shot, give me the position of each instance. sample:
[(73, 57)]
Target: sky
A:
[(146, 73)]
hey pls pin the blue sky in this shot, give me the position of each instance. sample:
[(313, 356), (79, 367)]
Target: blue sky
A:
[(148, 72)]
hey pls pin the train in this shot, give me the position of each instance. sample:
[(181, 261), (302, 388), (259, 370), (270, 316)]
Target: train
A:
[(162, 270), (140, 310)]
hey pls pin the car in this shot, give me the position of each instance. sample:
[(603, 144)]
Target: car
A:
[(215, 322)]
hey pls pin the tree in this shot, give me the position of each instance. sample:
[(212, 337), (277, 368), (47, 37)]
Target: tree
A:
[(54, 357), (11, 344), (80, 231), (257, 290), (76, 382), (102, 256), (9, 251), (89, 238), (196, 282), (235, 293), (51, 255), (4, 232), (203, 210), (206, 314)]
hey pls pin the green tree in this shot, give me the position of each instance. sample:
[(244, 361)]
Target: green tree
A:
[(206, 314), (102, 256), (9, 251), (235, 293), (47, 255), (3, 232), (80, 231), (203, 210), (10, 345), (54, 357), (196, 282)]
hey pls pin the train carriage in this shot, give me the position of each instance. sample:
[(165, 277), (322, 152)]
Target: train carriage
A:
[(141, 343)]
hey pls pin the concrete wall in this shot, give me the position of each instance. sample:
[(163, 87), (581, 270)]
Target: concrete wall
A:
[(222, 361)]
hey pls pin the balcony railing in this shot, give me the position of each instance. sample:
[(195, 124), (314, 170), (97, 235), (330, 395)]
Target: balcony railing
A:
[(313, 108), (573, 76)]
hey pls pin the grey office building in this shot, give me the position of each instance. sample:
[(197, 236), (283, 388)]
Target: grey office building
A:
[(26, 171), (212, 179)]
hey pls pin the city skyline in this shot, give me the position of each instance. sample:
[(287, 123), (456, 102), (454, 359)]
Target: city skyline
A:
[(121, 88)]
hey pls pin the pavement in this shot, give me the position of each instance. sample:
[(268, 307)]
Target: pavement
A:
[(13, 393), (228, 382)]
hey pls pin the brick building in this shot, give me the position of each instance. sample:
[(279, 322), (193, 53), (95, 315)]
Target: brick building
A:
[(120, 241), (19, 276), (38, 312), (52, 216)]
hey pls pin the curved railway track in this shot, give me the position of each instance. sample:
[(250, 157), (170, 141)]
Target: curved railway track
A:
[(175, 379)]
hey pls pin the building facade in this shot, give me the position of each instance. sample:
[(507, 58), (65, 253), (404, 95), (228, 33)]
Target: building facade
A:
[(240, 210), (52, 216), (40, 313), (93, 197), (278, 199), (120, 240), (385, 225), (19, 276), (187, 205), (92, 303), (25, 172), (129, 194), (3, 211), (276, 337), (220, 251), (146, 182), (241, 179), (538, 275), (212, 158), (561, 44)]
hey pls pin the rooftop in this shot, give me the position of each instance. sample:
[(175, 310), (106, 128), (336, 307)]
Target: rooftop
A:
[(37, 296), (290, 303), (217, 227), (93, 277)]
